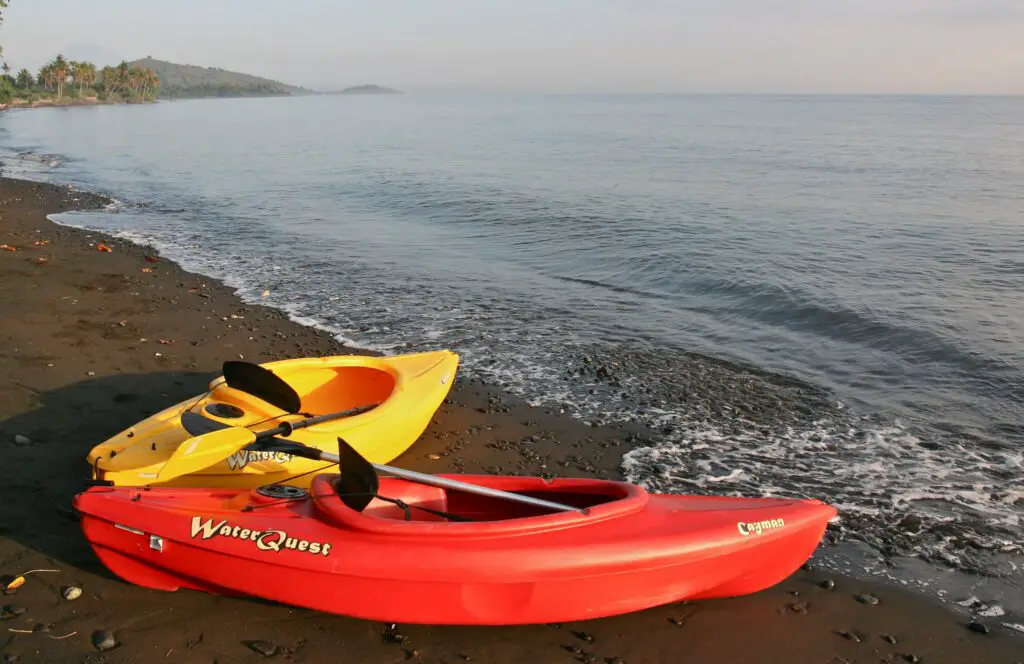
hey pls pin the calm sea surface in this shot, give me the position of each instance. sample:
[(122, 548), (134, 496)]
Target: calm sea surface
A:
[(819, 296)]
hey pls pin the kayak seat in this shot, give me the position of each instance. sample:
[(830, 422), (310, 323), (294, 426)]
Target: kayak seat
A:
[(430, 497)]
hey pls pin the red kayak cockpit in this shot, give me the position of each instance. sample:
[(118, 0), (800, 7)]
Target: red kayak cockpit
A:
[(403, 507)]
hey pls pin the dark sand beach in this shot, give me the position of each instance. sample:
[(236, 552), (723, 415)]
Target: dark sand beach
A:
[(91, 344)]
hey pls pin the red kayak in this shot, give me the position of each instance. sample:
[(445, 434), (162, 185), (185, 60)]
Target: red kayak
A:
[(424, 554)]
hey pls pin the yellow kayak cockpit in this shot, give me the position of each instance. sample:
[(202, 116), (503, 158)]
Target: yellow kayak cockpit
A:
[(403, 391)]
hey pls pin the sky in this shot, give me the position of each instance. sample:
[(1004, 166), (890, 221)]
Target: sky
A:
[(587, 46)]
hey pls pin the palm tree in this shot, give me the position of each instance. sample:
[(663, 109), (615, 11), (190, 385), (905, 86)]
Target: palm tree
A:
[(84, 74), (60, 74), (25, 80), (46, 77)]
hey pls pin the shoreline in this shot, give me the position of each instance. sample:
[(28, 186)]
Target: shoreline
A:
[(67, 103), (82, 359)]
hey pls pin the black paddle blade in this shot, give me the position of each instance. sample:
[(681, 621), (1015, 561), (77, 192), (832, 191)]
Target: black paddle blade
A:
[(262, 383), (358, 482), (196, 425)]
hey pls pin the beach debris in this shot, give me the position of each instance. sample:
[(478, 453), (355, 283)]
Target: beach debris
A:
[(165, 342), (42, 260), (7, 247), (909, 657), (265, 294), (71, 592), (10, 611), (102, 247), (22, 440), (90, 373), (850, 635), (614, 660), (265, 648), (828, 584), (412, 654), (798, 607), (103, 640), (433, 457), (870, 600), (979, 627), (12, 583), (390, 634), (41, 243), (152, 259), (147, 269), (583, 636), (888, 638)]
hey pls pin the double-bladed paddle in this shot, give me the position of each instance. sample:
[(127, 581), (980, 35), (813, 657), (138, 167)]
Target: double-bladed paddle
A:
[(207, 449)]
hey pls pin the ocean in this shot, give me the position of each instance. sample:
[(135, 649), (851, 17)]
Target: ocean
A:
[(803, 295)]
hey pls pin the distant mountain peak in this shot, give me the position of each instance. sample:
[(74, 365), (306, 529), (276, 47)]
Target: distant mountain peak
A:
[(178, 80), (367, 90)]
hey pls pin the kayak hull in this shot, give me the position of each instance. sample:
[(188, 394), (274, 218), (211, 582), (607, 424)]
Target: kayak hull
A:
[(409, 388), (513, 564)]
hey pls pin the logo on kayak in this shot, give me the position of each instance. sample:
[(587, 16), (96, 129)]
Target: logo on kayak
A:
[(240, 460), (757, 527), (266, 540)]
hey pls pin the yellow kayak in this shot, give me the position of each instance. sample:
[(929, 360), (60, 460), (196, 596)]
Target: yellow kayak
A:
[(400, 395)]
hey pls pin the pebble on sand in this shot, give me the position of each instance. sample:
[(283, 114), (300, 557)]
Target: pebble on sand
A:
[(870, 600), (71, 592), (265, 648), (22, 440), (103, 640), (979, 627), (828, 584)]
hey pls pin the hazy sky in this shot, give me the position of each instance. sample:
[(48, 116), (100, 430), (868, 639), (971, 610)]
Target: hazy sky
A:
[(570, 45)]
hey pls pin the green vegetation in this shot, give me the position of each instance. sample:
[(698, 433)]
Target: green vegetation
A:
[(189, 81), (62, 81)]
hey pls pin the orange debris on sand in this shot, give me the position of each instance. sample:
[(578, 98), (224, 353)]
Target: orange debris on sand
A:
[(103, 247), (7, 247)]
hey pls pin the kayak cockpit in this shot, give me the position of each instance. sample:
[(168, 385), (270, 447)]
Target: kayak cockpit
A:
[(401, 506)]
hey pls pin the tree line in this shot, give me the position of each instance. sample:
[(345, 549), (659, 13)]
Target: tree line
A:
[(62, 78)]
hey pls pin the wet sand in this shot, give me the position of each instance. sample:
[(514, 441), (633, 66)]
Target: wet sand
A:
[(91, 344)]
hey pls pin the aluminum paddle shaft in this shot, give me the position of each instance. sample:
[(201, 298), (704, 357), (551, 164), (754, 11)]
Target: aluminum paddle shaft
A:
[(446, 483)]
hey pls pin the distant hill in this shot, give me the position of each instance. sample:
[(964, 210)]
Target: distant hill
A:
[(366, 90), (189, 81)]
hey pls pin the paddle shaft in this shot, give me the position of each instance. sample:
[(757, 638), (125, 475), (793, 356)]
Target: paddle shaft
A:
[(446, 483), (287, 427)]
